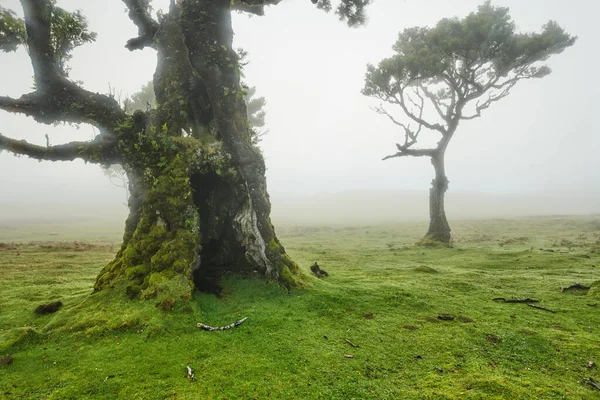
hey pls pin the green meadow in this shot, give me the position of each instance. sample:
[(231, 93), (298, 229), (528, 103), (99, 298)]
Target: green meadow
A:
[(391, 321)]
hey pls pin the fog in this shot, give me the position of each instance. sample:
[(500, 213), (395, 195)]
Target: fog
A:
[(533, 153)]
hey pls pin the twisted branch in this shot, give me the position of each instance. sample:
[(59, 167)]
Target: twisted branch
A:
[(139, 13), (99, 150)]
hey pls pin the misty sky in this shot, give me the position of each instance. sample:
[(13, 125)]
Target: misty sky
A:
[(323, 135)]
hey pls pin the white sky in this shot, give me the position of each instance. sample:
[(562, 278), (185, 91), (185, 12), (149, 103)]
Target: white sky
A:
[(322, 134)]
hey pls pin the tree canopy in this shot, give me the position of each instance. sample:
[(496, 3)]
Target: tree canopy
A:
[(445, 68)]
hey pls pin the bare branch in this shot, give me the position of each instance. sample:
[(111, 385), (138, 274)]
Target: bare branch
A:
[(492, 98), (418, 119), (404, 152), (99, 150), (435, 103), (139, 13), (410, 137)]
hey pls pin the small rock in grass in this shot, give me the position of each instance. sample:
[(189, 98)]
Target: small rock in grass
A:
[(48, 308), (6, 359), (446, 317), (493, 338)]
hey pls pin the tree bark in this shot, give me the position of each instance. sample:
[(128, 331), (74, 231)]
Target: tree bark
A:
[(439, 229), (199, 205)]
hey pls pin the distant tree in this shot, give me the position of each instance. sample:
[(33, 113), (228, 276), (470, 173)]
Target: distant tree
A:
[(452, 72), (198, 203), (144, 100)]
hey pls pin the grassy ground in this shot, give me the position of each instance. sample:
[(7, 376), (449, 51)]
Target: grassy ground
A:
[(379, 297)]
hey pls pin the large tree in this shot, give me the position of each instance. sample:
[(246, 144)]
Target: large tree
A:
[(198, 198), (450, 73)]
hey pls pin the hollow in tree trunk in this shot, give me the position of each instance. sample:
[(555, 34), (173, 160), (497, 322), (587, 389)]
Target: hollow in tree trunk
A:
[(439, 229), (199, 204)]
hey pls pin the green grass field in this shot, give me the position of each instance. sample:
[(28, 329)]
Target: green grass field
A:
[(368, 331)]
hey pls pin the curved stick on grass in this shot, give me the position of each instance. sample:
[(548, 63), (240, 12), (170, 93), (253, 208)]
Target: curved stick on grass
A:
[(541, 308), (221, 328), (517, 300)]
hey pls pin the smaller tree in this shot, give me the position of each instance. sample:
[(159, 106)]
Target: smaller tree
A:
[(443, 75)]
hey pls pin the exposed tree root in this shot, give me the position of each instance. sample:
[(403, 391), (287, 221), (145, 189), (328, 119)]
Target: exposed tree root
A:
[(516, 300)]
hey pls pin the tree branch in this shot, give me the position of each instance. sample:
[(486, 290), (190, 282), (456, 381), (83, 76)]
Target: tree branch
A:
[(410, 137), (418, 119), (404, 152), (57, 98), (492, 98), (22, 105), (139, 14), (99, 150), (67, 102), (38, 14), (434, 101)]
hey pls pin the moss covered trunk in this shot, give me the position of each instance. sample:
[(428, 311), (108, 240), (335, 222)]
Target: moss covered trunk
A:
[(439, 229), (199, 204)]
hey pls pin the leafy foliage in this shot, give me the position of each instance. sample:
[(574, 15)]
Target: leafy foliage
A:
[(12, 30), (68, 31), (352, 11), (144, 100), (458, 61)]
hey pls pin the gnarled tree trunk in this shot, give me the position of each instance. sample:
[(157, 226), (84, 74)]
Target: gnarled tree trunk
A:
[(199, 204), (439, 229)]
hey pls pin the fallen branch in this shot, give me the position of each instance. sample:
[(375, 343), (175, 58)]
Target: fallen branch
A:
[(593, 383), (541, 308), (575, 286), (517, 300), (221, 328), (350, 343), (190, 373)]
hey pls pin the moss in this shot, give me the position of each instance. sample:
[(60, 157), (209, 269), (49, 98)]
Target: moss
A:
[(165, 239), (137, 271), (594, 289), (273, 245), (133, 291)]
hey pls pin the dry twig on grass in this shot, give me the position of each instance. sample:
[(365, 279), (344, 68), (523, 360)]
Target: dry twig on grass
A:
[(221, 328), (541, 308), (516, 300), (190, 373)]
